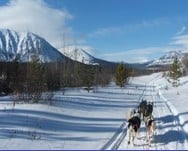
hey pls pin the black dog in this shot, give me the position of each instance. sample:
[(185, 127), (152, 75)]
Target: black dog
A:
[(145, 108), (133, 126), (148, 109), (142, 107)]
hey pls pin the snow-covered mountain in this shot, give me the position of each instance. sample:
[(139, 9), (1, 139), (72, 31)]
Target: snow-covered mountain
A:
[(167, 59), (79, 54), (24, 45)]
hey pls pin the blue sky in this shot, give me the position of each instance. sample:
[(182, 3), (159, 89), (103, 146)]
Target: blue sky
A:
[(116, 30)]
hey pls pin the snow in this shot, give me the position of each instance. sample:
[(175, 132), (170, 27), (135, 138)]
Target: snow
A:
[(168, 58), (24, 45), (174, 96), (98, 119), (170, 114), (79, 54)]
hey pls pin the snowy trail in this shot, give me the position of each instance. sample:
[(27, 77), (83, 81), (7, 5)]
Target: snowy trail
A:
[(169, 133), (95, 120), (115, 141), (81, 119)]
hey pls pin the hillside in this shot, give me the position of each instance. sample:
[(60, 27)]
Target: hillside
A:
[(79, 54), (167, 59), (24, 45)]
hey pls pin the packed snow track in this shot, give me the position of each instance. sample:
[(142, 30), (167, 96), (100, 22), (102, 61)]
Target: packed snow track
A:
[(169, 133), (95, 120)]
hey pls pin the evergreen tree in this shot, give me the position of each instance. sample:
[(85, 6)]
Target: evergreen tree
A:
[(175, 72), (121, 75), (35, 80), (87, 75), (15, 79)]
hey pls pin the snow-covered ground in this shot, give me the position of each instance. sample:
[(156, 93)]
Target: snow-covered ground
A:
[(175, 97), (97, 120), (170, 119)]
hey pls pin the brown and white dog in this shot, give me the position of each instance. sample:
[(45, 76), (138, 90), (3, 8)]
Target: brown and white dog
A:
[(150, 127)]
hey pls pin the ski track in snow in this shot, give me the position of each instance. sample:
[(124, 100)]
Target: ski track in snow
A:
[(169, 134), (85, 121)]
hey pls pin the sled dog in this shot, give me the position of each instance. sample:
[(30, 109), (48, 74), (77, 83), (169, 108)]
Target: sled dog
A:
[(133, 127)]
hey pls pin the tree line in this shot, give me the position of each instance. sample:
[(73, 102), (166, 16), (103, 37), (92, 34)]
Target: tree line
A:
[(29, 80)]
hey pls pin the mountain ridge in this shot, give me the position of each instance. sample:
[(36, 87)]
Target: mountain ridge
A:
[(24, 45), (167, 59), (77, 53)]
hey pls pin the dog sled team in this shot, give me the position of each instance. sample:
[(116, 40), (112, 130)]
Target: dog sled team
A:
[(136, 116)]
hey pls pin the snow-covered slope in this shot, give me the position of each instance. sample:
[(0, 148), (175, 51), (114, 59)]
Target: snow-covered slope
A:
[(167, 59), (97, 120), (78, 54), (24, 46)]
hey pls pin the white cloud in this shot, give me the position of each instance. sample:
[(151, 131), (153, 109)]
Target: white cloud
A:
[(106, 31), (180, 41), (38, 17), (131, 56), (182, 30), (138, 55)]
